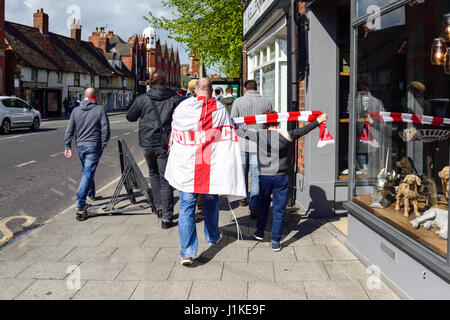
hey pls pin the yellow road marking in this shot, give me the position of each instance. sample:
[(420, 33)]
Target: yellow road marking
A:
[(25, 164), (7, 234), (57, 154)]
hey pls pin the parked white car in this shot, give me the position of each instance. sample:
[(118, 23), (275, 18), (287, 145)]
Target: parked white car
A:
[(16, 113)]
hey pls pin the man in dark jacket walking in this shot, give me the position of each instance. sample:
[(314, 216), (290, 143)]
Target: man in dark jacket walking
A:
[(89, 124), (155, 110)]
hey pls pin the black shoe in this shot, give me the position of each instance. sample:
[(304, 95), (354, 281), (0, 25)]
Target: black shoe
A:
[(159, 213), (166, 225), (243, 203), (82, 216), (254, 214)]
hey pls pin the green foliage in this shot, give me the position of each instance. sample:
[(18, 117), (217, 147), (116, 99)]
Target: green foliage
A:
[(210, 29)]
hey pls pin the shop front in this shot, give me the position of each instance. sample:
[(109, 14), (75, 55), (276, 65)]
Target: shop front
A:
[(45, 100), (266, 48), (399, 143)]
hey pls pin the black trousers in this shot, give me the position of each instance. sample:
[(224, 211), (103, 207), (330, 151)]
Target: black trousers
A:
[(162, 191)]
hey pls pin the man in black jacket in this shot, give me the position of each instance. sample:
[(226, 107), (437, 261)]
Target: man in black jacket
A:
[(155, 110)]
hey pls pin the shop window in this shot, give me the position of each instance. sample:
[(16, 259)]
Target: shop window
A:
[(92, 81), (264, 55), (272, 51), (282, 43), (268, 86), (34, 74), (257, 78), (402, 156), (76, 80)]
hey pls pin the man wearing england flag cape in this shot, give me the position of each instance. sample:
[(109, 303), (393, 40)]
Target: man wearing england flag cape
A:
[(205, 158)]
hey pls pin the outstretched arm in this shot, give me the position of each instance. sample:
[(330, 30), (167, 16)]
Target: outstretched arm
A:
[(298, 133)]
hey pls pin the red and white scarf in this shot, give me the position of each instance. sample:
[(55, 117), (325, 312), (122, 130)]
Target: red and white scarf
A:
[(325, 137)]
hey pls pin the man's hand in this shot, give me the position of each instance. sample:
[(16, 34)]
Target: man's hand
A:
[(68, 154), (368, 119), (322, 118)]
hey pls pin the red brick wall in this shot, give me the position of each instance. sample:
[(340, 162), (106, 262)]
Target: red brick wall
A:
[(301, 106), (40, 21)]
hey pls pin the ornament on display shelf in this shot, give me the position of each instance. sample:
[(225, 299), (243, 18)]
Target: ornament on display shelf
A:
[(433, 218), (385, 187), (428, 189), (367, 137), (408, 191), (444, 175), (406, 164)]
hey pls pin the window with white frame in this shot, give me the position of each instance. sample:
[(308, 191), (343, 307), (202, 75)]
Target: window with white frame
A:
[(267, 66)]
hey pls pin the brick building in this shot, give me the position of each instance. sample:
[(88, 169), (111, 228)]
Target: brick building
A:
[(161, 58), (2, 47), (44, 68)]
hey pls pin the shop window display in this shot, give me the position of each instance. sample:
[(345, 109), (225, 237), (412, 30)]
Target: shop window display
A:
[(402, 114)]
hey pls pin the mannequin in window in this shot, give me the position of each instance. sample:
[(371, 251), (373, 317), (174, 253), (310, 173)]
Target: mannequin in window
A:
[(368, 158)]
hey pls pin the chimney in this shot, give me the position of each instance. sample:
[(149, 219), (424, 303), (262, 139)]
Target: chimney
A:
[(40, 21), (110, 34), (100, 39), (75, 30)]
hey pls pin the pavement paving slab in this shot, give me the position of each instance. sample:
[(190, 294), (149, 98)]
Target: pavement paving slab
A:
[(48, 290), (229, 290), (104, 271), (146, 271), (251, 271), (134, 254), (284, 290), (335, 290), (300, 271), (312, 253), (11, 288), (162, 290), (106, 290)]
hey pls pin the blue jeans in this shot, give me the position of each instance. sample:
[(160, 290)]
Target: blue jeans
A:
[(279, 186), (250, 164), (89, 157), (187, 225)]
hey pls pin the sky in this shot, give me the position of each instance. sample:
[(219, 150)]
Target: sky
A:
[(125, 18)]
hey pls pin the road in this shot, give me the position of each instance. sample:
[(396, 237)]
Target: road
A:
[(36, 179)]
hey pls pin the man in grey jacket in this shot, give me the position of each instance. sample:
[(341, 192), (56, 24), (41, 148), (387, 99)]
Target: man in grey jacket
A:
[(89, 124), (251, 104)]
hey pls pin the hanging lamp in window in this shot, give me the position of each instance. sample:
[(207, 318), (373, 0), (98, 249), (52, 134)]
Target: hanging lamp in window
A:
[(438, 51)]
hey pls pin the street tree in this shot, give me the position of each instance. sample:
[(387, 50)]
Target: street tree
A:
[(211, 30)]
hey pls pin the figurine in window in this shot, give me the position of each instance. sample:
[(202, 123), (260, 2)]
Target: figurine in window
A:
[(433, 218), (444, 175), (408, 191)]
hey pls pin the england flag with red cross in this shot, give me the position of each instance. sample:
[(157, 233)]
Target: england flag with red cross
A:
[(205, 156)]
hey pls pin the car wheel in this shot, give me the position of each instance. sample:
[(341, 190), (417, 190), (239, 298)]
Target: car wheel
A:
[(36, 124), (6, 127)]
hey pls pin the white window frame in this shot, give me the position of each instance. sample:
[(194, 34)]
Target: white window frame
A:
[(279, 59)]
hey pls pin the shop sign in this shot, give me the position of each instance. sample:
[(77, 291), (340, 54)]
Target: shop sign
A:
[(34, 84), (254, 11), (75, 89)]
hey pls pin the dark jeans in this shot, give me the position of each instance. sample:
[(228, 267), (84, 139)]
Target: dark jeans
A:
[(162, 191), (279, 186), (89, 157)]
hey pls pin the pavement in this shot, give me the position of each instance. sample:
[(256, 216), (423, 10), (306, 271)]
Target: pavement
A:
[(129, 257)]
